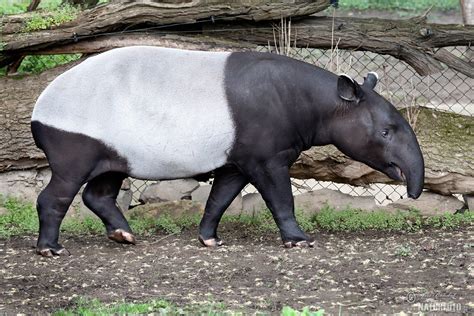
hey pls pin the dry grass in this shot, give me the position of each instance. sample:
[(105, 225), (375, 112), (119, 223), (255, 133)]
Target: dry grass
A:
[(282, 38)]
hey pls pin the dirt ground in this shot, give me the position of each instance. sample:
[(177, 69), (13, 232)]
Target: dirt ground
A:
[(352, 273)]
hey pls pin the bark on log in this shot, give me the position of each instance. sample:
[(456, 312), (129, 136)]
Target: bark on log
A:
[(197, 42), (446, 140), (414, 40), (123, 16)]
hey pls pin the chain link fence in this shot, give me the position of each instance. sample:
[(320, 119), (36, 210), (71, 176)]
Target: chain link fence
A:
[(399, 83)]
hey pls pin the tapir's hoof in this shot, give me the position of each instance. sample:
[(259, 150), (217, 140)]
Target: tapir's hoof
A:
[(48, 252), (212, 243), (123, 237), (299, 244)]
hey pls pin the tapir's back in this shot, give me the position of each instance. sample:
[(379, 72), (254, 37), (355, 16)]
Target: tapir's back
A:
[(163, 110)]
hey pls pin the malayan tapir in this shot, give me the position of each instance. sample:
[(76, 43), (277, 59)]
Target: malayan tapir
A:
[(159, 113)]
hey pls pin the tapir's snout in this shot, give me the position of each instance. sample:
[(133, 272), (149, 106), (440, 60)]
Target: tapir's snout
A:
[(409, 166), (416, 179)]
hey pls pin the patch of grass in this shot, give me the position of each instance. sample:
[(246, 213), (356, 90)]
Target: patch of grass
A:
[(358, 220), (449, 220), (83, 226), (86, 307), (21, 218), (40, 63), (260, 221), (13, 7), (95, 307), (58, 16), (403, 251), (288, 311), (19, 6), (408, 5)]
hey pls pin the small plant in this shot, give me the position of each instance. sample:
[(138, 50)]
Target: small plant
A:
[(449, 220), (21, 218), (56, 17), (39, 63), (84, 306), (288, 311), (403, 251), (95, 307)]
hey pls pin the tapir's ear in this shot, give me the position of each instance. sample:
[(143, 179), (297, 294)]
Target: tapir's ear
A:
[(348, 89), (371, 80)]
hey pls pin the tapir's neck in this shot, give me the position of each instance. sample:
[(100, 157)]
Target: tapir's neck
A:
[(274, 96), (320, 103)]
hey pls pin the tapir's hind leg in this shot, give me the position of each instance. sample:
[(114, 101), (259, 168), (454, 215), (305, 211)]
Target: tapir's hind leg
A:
[(53, 203), (228, 182), (74, 160), (100, 196)]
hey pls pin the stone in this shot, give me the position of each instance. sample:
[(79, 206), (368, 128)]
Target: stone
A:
[(201, 195), (175, 209), (24, 184), (173, 190), (314, 201), (429, 204), (126, 184), (124, 199), (469, 200), (253, 203)]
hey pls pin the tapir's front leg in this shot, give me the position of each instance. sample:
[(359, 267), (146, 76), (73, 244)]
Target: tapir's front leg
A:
[(273, 181)]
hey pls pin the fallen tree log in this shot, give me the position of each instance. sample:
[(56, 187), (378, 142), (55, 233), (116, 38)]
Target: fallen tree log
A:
[(122, 16), (414, 40), (446, 140), (197, 42)]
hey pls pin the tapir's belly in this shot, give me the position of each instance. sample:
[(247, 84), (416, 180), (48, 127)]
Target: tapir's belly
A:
[(164, 111)]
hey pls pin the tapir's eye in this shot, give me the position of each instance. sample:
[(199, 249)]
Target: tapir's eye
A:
[(385, 133)]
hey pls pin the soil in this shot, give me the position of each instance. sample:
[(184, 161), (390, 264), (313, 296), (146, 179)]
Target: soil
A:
[(370, 272)]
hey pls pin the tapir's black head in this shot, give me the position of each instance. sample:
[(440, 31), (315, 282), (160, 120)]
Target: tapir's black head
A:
[(368, 128)]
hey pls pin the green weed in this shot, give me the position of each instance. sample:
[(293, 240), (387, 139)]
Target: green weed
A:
[(40, 63), (403, 251), (449, 220), (19, 6), (58, 16), (288, 311), (86, 307), (21, 218), (83, 226)]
